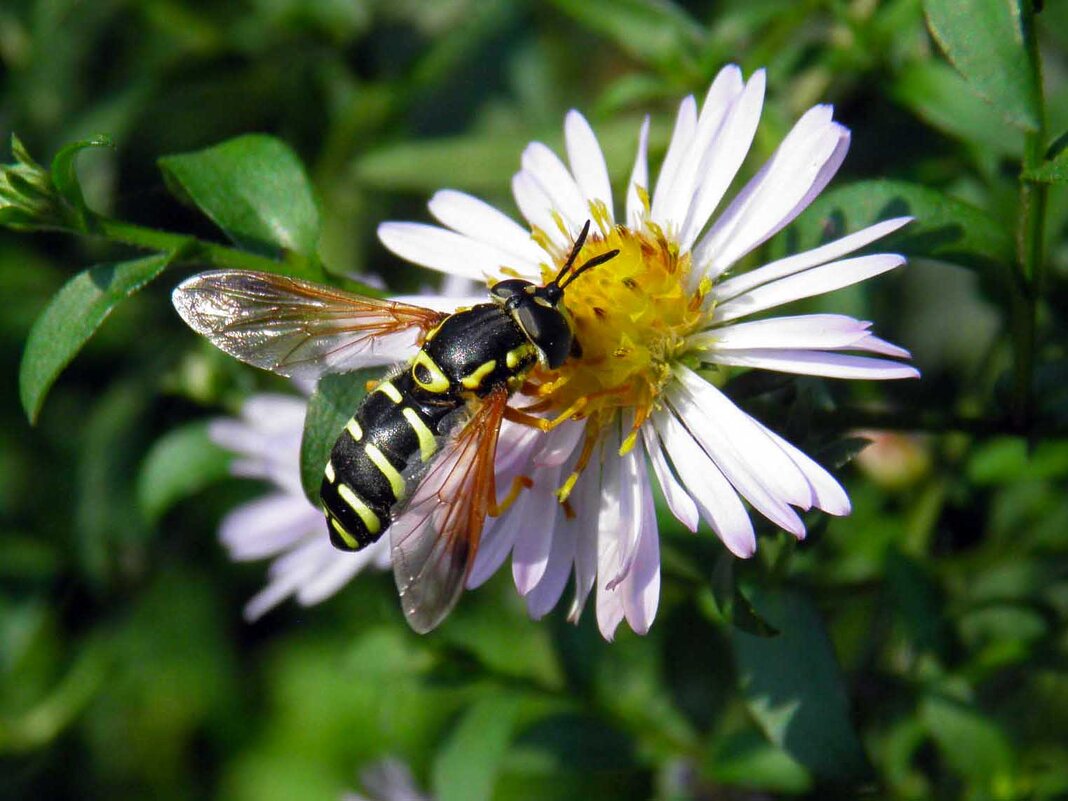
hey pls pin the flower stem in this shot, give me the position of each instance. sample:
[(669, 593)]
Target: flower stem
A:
[(1027, 288)]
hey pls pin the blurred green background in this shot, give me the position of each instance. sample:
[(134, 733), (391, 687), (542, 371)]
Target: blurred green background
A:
[(923, 651)]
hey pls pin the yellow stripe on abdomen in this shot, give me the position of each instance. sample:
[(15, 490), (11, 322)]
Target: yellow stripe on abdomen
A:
[(393, 476), (365, 513), (428, 444)]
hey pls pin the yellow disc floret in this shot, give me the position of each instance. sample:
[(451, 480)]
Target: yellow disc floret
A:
[(631, 317)]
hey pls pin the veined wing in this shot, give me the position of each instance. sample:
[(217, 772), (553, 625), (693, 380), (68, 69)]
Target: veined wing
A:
[(436, 536), (296, 328)]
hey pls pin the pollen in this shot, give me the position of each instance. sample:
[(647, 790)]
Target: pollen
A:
[(631, 317)]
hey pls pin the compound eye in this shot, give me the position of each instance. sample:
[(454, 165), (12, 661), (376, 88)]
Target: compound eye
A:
[(503, 290), (547, 329)]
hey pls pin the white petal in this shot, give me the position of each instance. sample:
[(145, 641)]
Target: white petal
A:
[(774, 196), (678, 499), (724, 158), (587, 161), (639, 177), (829, 365), (641, 590), (268, 598), (542, 598), (337, 569), (584, 500), (557, 183), (828, 493), (812, 282), (810, 331), (666, 181), (482, 222), (773, 467), (286, 575), (872, 344), (530, 555), (274, 413), (753, 480), (715, 497), (732, 287), (560, 443), (449, 252), (268, 525), (498, 537), (673, 210), (618, 526), (537, 207)]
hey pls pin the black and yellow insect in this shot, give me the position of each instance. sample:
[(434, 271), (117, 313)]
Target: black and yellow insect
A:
[(417, 457)]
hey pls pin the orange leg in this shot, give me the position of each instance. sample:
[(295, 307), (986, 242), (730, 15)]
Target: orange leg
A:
[(519, 483), (543, 423)]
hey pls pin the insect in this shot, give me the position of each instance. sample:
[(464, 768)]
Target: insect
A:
[(417, 457)]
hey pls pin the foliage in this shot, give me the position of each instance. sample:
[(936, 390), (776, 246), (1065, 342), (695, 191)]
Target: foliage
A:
[(913, 650)]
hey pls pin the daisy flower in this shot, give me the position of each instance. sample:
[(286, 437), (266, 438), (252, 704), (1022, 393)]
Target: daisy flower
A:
[(653, 324), (282, 525)]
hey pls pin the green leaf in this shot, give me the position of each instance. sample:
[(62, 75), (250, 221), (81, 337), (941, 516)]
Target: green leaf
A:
[(1054, 171), (794, 688), (72, 317), (973, 745), (938, 94), (331, 405), (470, 758), (746, 759), (944, 228), (481, 162), (65, 176), (255, 189), (732, 605), (984, 39), (655, 32), (180, 463)]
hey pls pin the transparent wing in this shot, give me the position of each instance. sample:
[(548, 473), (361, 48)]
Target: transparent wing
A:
[(436, 536), (297, 328)]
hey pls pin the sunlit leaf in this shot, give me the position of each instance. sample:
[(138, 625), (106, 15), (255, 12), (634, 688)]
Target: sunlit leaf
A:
[(470, 758), (331, 405), (748, 760), (985, 41), (974, 746), (255, 189), (732, 604), (65, 176), (1054, 171), (179, 464), (71, 318), (940, 96), (794, 688), (944, 228), (656, 32), (483, 162)]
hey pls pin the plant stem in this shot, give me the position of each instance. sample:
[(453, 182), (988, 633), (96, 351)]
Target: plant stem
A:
[(188, 248), (1027, 289)]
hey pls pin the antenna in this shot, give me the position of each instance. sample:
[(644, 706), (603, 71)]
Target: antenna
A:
[(601, 259), (574, 252)]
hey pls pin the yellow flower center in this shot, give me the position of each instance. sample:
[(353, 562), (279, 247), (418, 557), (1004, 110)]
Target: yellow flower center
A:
[(631, 316)]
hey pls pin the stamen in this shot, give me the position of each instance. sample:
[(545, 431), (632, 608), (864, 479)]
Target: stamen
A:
[(584, 459)]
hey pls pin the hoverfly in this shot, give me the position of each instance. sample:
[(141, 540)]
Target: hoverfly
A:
[(417, 457)]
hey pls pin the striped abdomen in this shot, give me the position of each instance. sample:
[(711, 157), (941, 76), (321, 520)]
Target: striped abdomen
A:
[(401, 423), (365, 476)]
